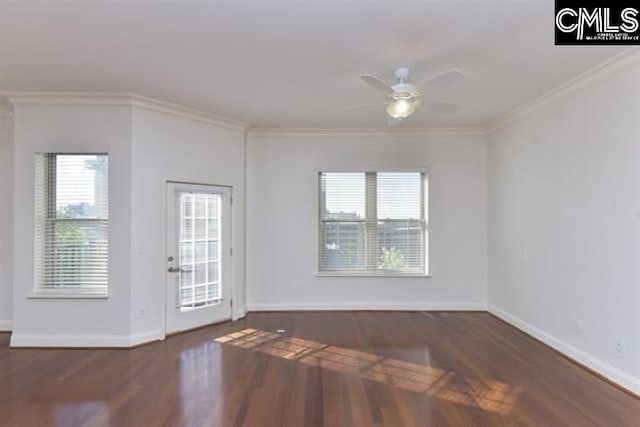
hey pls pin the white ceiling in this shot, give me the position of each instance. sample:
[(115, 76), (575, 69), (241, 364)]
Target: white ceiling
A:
[(290, 64)]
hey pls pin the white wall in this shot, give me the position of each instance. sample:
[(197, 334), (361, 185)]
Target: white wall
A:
[(41, 128), (564, 223), (6, 219), (172, 148), (282, 192), (146, 148)]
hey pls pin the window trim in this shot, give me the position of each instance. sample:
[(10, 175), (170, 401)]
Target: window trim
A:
[(66, 293), (63, 294), (371, 274)]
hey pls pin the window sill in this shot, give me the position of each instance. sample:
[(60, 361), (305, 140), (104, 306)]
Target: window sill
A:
[(68, 296), (389, 275)]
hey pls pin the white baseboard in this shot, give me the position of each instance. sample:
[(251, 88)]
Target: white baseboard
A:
[(356, 306), (29, 340), (5, 325), (608, 371), (146, 337)]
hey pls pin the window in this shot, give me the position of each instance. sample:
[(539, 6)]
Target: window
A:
[(373, 223), (72, 223)]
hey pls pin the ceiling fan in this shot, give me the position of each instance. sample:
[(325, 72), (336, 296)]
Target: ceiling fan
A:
[(403, 98)]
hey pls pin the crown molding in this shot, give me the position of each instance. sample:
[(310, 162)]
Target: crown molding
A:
[(69, 98), (463, 131), (590, 76), (188, 113), (122, 99)]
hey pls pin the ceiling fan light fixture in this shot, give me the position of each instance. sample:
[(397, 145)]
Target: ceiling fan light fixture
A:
[(404, 98), (401, 108)]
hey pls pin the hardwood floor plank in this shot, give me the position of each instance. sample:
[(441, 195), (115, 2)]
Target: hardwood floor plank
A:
[(326, 369)]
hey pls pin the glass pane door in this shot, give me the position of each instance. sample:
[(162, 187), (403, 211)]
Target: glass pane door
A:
[(199, 256), (198, 259)]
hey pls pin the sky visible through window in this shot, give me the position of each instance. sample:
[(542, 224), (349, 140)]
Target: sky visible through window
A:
[(398, 194), (75, 180), (345, 193)]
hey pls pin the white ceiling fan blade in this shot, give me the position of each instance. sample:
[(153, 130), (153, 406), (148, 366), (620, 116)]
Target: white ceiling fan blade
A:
[(441, 107), (357, 107), (444, 79), (375, 82)]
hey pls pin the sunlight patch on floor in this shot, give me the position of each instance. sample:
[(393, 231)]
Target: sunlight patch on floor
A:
[(494, 396)]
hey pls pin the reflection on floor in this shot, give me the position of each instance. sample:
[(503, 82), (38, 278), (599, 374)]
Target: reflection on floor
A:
[(494, 396)]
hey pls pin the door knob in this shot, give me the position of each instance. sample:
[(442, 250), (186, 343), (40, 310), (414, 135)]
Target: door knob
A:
[(173, 270)]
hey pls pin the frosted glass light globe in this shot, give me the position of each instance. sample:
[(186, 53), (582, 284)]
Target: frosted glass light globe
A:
[(401, 108)]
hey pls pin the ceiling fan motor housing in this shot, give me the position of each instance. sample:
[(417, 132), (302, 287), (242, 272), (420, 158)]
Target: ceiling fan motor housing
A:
[(404, 91), (401, 73)]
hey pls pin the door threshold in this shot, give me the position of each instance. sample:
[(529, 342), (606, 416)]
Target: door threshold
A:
[(168, 335)]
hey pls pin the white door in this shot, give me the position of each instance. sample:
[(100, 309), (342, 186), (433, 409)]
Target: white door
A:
[(198, 255)]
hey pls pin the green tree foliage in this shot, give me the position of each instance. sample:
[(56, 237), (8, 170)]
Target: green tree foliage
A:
[(392, 259), (69, 241), (67, 232)]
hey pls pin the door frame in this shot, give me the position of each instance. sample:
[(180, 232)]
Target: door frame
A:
[(233, 291)]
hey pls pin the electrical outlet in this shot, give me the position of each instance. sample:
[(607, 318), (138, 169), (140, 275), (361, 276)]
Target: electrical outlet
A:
[(576, 325), (618, 345)]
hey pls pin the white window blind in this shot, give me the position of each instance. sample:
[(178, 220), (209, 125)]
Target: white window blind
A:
[(72, 223), (373, 222)]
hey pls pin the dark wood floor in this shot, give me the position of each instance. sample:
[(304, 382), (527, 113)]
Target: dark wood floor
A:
[(332, 369)]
